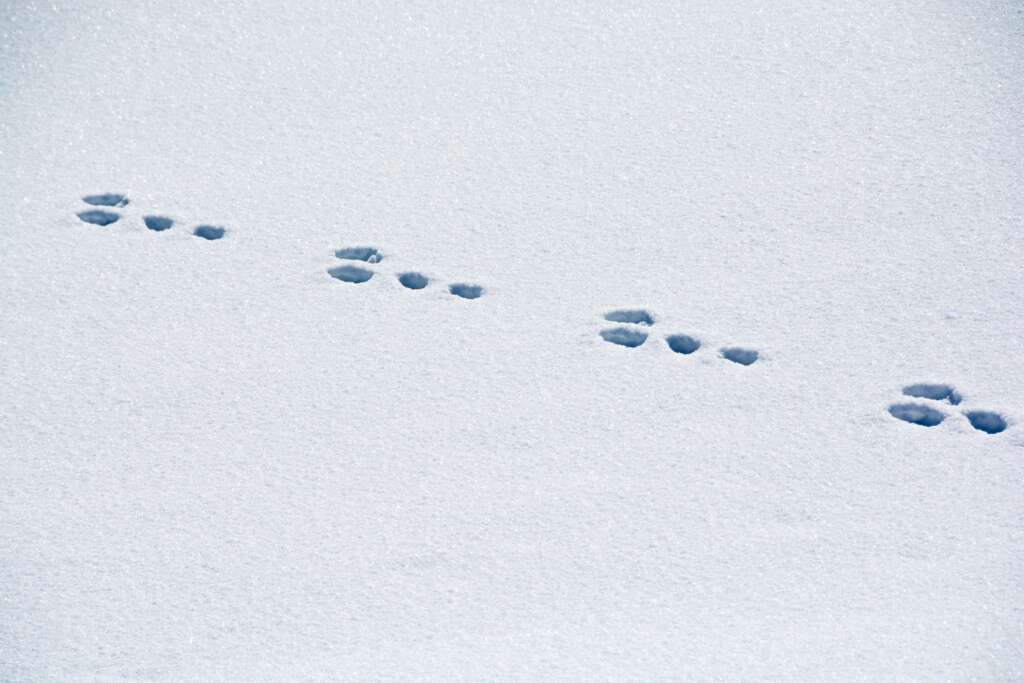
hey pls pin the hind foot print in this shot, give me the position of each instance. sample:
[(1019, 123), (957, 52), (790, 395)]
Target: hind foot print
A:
[(935, 392), (465, 291), (107, 199), (682, 343), (623, 336), (633, 316), (917, 414), (353, 274), (99, 217), (986, 421), (413, 280), (157, 223), (208, 232), (738, 355), (366, 254)]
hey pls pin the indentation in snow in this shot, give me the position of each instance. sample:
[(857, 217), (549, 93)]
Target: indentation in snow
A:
[(413, 280), (106, 199), (465, 291), (935, 392), (623, 336), (918, 414), (209, 232), (986, 421), (367, 254), (99, 217), (634, 316), (353, 274), (739, 355), (157, 223), (682, 343)]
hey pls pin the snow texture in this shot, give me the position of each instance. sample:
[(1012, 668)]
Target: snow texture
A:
[(221, 464)]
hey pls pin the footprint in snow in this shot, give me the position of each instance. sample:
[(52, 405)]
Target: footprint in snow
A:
[(926, 415), (105, 199), (633, 316), (624, 336), (365, 254), (629, 337), (158, 223), (631, 334), (99, 217), (152, 222), (682, 343), (466, 291), (353, 274), (102, 217), (740, 355), (986, 421), (411, 279), (209, 232), (935, 392), (916, 413)]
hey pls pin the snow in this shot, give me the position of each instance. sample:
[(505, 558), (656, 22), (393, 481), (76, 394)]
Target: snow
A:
[(221, 463)]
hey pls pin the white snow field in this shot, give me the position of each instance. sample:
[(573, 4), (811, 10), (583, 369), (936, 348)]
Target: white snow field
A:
[(219, 463)]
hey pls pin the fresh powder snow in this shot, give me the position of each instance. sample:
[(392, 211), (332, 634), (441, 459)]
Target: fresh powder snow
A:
[(511, 341)]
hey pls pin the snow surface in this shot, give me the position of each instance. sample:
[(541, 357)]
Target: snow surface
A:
[(220, 463)]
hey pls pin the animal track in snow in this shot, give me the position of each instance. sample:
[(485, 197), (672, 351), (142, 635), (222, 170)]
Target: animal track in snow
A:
[(102, 217), (209, 232), (158, 223), (99, 217), (366, 254), (916, 413), (636, 316), (153, 222), (413, 280), (682, 343), (627, 336), (465, 291), (986, 421), (923, 414), (624, 336), (106, 199), (935, 392), (409, 279), (740, 355), (353, 274)]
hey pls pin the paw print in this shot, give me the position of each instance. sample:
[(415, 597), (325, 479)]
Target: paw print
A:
[(155, 223), (631, 333), (930, 414), (358, 274)]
